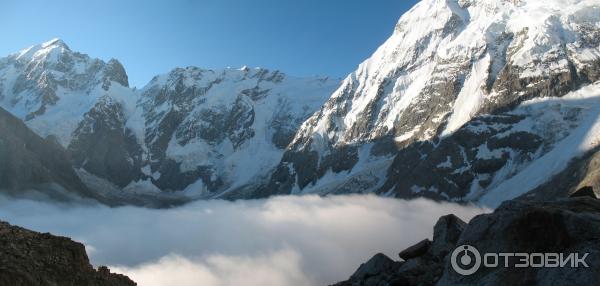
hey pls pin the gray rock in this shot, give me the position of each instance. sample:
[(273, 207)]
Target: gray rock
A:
[(114, 71), (562, 226), (240, 120), (416, 250), (586, 191), (379, 270), (104, 146), (446, 233), (378, 264)]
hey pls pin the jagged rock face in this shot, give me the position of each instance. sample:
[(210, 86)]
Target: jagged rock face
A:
[(446, 233), (29, 162), (482, 154), (220, 128), (31, 258), (114, 72), (104, 146), (446, 63)]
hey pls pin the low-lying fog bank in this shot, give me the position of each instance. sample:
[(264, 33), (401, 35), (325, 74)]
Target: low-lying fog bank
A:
[(291, 240)]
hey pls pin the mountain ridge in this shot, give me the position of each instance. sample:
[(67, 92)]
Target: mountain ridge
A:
[(464, 98), (190, 128), (446, 64)]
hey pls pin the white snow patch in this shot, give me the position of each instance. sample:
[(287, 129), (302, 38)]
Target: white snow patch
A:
[(582, 139)]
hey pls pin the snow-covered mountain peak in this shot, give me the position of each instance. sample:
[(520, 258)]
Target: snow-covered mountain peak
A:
[(56, 42), (212, 122), (455, 103), (51, 87), (189, 126), (447, 62), (49, 50), (207, 125), (466, 42), (55, 59)]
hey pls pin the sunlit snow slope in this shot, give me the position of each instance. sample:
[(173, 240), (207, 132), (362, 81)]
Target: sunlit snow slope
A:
[(411, 120)]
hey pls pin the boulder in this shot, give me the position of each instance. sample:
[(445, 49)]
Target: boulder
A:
[(416, 250), (378, 264), (586, 191), (446, 233), (379, 270)]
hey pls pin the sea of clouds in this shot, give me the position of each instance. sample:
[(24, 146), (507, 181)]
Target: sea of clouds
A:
[(288, 240)]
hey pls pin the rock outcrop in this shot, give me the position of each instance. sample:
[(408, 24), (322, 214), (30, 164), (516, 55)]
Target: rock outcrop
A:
[(570, 225), (29, 258), (102, 145)]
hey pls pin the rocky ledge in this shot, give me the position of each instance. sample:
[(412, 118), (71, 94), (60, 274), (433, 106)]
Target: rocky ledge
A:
[(32, 258), (570, 225)]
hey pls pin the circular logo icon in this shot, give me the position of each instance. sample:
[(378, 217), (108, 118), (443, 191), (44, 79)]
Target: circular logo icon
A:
[(469, 261)]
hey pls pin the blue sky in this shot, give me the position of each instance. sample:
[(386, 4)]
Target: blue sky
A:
[(309, 37)]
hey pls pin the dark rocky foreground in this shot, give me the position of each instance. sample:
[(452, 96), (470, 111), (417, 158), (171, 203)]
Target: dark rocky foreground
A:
[(32, 258), (570, 225)]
